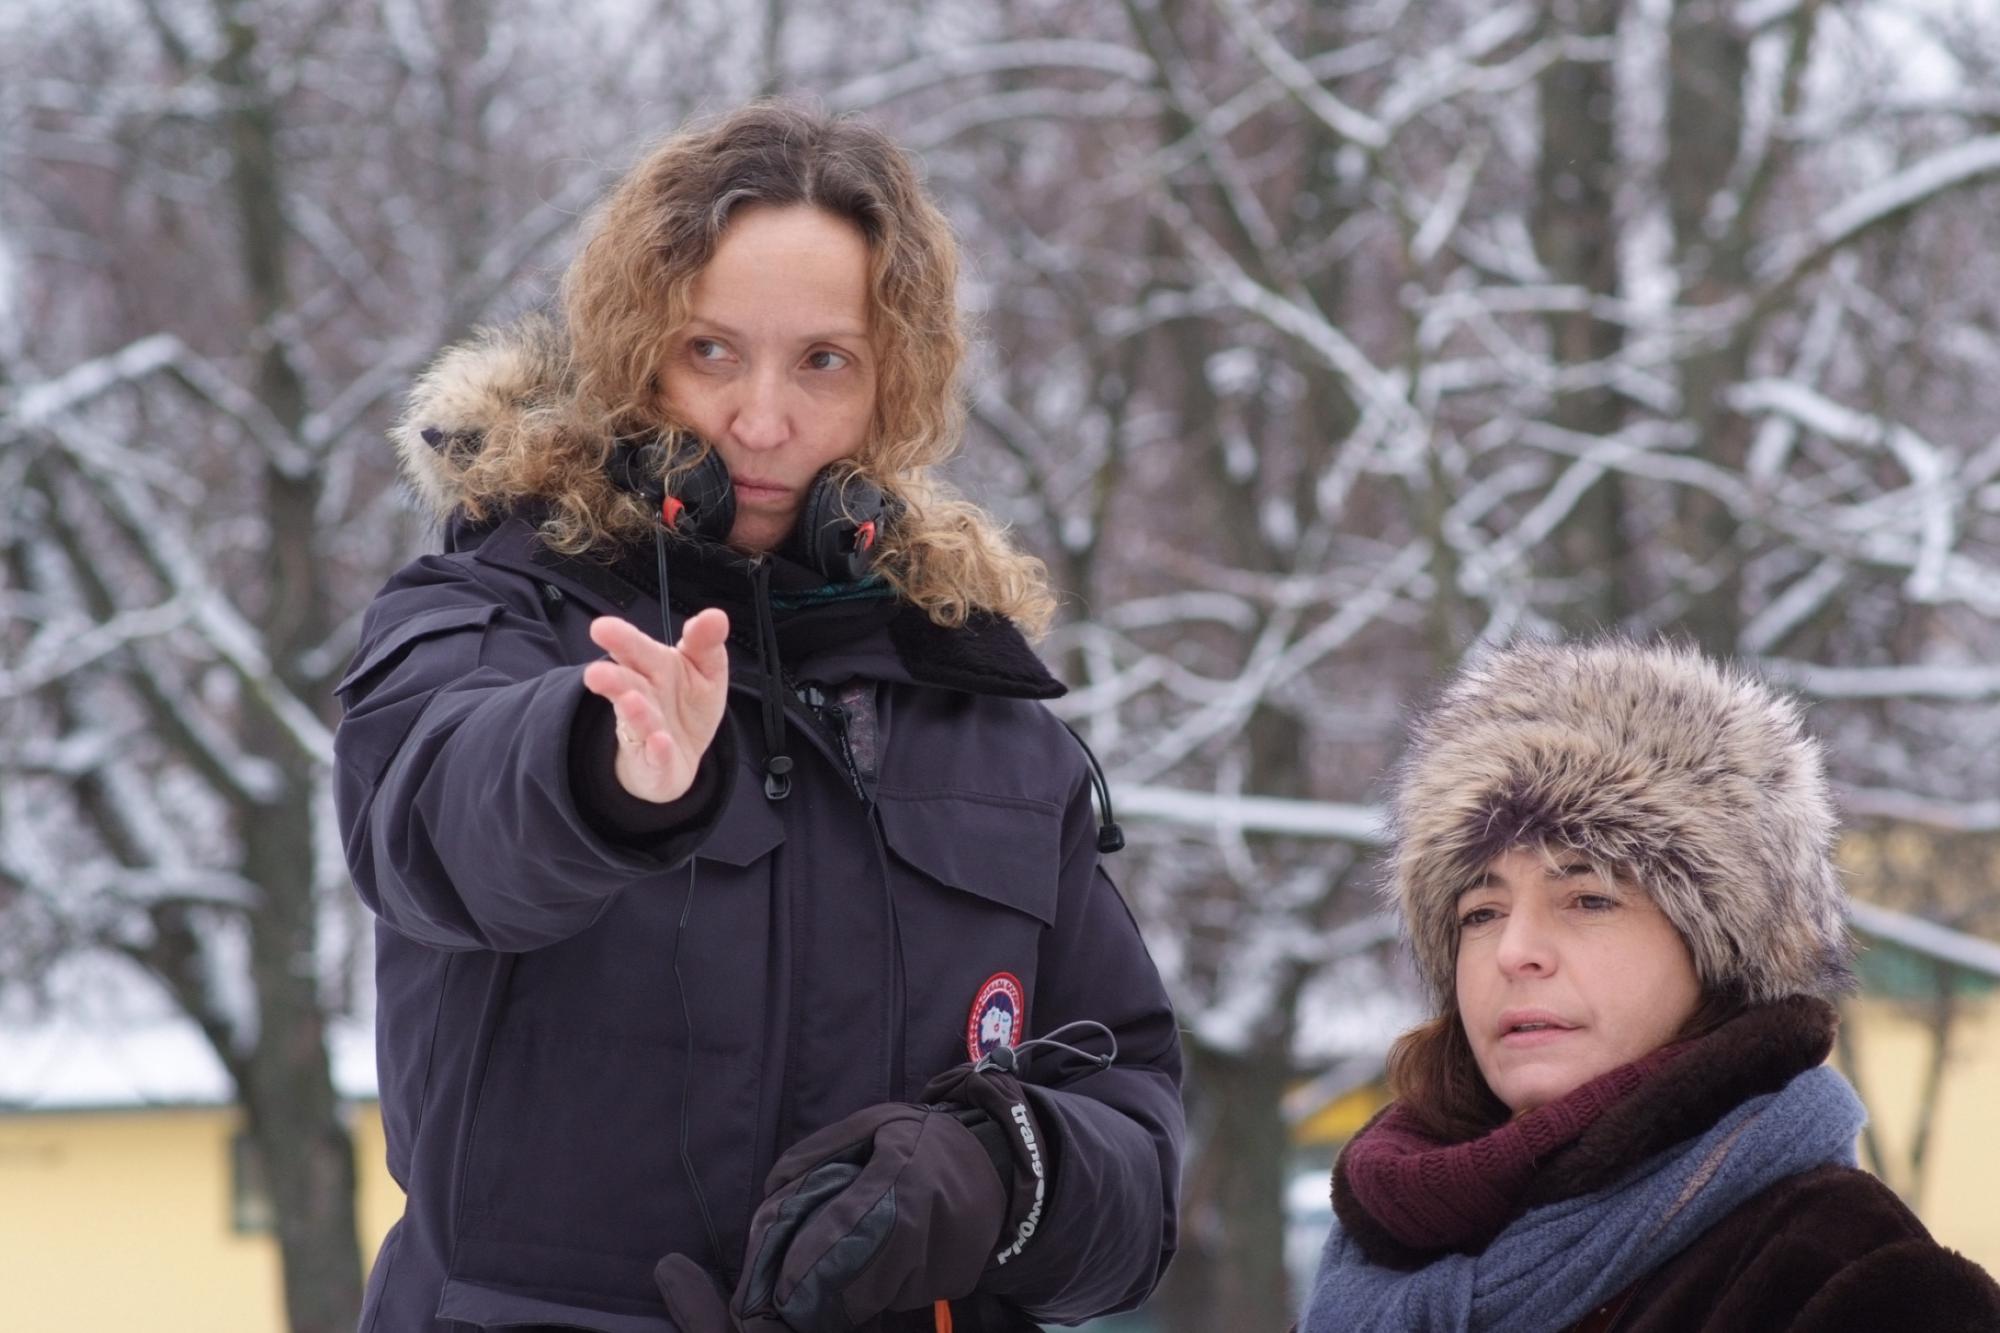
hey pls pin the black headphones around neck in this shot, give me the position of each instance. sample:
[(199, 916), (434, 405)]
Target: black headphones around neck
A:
[(839, 528)]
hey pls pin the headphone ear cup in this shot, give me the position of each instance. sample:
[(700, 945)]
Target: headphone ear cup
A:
[(839, 526), (707, 496)]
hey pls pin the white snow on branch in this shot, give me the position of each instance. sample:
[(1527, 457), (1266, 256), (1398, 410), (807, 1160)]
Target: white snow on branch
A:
[(1778, 433), (1273, 662), (1288, 70), (34, 405), (1915, 808), (112, 1039), (1791, 608), (1930, 477), (1928, 938), (1441, 219), (1955, 166), (1380, 390), (209, 610), (1097, 106), (61, 648), (1751, 15), (968, 62), (68, 757), (1458, 70), (1886, 682), (38, 406), (1251, 814)]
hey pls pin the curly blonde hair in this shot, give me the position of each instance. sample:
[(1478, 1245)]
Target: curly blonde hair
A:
[(626, 298)]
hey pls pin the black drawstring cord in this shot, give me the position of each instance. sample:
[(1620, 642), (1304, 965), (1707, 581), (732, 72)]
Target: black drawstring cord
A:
[(778, 767), (1110, 838), (687, 1082), (666, 608)]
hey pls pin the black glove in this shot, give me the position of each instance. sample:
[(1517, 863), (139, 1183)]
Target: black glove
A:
[(694, 1301), (893, 1208), (998, 1114)]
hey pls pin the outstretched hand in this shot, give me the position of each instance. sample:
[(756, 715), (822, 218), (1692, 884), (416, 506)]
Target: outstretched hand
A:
[(669, 700)]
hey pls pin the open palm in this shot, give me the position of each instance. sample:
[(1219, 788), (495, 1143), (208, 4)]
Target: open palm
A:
[(669, 699)]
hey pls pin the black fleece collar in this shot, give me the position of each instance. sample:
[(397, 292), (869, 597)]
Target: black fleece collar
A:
[(987, 655)]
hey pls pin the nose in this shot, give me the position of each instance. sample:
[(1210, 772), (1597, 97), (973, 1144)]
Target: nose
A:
[(1527, 944), (761, 415)]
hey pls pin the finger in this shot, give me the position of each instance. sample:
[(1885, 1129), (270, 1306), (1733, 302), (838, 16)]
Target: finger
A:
[(610, 679), (691, 1296), (703, 646), (640, 716), (777, 1224), (629, 645)]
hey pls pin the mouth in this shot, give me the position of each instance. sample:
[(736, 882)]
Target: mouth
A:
[(1532, 1029), (751, 488)]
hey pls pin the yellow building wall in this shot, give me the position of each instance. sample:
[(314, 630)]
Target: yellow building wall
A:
[(123, 1220), (1959, 1199)]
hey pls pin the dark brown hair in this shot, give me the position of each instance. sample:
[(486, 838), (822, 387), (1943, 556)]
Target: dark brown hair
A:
[(1432, 1072)]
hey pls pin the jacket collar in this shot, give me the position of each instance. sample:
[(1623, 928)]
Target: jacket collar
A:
[(987, 655)]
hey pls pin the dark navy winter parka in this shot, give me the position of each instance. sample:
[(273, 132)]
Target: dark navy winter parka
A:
[(569, 1025)]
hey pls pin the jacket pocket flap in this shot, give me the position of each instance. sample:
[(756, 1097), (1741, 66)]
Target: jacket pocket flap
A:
[(750, 828), (1008, 852), (403, 633), (496, 1307)]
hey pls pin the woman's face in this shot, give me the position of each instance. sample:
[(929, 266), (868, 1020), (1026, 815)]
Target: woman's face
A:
[(775, 368), (1563, 976)]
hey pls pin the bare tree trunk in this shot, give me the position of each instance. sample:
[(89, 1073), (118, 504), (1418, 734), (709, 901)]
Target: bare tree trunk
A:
[(1576, 233), (1871, 1138), (284, 1079), (1230, 1272), (1708, 63), (1943, 1010)]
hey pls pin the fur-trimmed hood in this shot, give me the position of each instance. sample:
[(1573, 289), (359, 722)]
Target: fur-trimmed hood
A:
[(1693, 777), (500, 425), (502, 384)]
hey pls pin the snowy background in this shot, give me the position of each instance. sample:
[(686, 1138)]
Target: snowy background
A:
[(1319, 343)]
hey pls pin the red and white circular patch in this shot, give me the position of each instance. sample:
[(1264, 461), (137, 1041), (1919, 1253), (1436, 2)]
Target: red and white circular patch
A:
[(999, 1016)]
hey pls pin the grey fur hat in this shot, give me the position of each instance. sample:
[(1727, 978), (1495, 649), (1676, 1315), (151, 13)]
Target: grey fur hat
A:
[(1691, 777)]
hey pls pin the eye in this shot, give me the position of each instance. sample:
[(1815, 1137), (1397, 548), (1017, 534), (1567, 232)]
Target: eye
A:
[(1594, 902), (707, 349), (1478, 916), (825, 358)]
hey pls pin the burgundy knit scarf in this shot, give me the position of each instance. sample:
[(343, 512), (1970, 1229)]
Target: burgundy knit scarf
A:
[(1433, 1196)]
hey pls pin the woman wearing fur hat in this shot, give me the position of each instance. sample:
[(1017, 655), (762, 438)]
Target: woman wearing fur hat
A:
[(1613, 864), (704, 794)]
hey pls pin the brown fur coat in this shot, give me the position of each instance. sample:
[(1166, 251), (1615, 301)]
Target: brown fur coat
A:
[(1829, 1251)]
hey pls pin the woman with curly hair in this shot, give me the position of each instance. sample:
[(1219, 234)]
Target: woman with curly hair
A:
[(1613, 864), (732, 880)]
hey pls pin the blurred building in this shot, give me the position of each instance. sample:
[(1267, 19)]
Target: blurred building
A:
[(129, 1198)]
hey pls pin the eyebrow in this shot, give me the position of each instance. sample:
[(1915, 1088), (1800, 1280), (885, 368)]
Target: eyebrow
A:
[(1488, 880), (845, 333)]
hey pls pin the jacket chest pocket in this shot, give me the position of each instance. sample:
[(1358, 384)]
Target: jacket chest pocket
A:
[(975, 883)]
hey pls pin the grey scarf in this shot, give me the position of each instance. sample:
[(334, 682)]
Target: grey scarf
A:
[(1557, 1263)]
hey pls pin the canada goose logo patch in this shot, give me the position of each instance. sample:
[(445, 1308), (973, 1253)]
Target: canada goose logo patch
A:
[(999, 1016)]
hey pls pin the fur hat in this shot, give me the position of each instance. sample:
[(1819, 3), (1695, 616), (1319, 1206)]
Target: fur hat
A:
[(1692, 778)]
